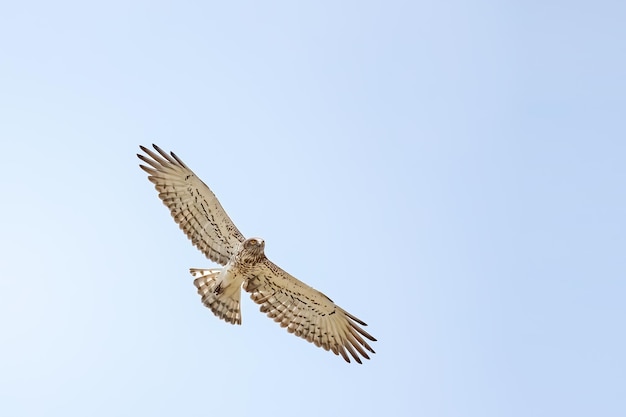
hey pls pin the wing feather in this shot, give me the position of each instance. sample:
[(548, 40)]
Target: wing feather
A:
[(192, 205), (307, 313)]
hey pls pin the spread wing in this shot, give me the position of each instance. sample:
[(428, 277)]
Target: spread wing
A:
[(307, 313), (192, 204)]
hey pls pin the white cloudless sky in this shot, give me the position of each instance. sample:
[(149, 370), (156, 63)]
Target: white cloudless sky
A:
[(452, 173)]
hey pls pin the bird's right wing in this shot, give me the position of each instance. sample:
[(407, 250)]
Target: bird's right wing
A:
[(192, 205), (307, 313)]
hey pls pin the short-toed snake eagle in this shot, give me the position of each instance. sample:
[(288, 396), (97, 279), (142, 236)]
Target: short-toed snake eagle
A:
[(303, 310)]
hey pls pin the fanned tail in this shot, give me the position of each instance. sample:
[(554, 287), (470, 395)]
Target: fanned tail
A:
[(223, 300)]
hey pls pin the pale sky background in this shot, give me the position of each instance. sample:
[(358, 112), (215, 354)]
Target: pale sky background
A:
[(451, 172)]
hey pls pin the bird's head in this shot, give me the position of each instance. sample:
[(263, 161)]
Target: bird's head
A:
[(253, 250)]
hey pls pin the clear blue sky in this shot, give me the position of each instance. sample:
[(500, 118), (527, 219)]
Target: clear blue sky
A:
[(453, 173)]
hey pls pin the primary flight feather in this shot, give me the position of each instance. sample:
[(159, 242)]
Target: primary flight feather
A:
[(303, 310)]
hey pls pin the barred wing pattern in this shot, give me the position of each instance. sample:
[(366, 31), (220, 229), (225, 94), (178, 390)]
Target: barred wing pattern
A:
[(303, 310), (307, 313), (192, 205)]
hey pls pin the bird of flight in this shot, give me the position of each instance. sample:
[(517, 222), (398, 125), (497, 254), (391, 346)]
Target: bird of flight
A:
[(303, 310)]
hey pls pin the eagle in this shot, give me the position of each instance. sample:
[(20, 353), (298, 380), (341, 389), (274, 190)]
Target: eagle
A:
[(301, 309)]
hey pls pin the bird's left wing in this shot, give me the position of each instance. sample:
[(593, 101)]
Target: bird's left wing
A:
[(192, 205), (307, 313)]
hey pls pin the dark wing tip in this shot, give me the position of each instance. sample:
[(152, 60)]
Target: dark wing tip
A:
[(159, 150), (178, 160)]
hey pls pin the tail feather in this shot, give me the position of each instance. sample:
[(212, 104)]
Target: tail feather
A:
[(222, 299)]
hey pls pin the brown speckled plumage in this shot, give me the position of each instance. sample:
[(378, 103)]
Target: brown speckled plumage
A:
[(301, 309)]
